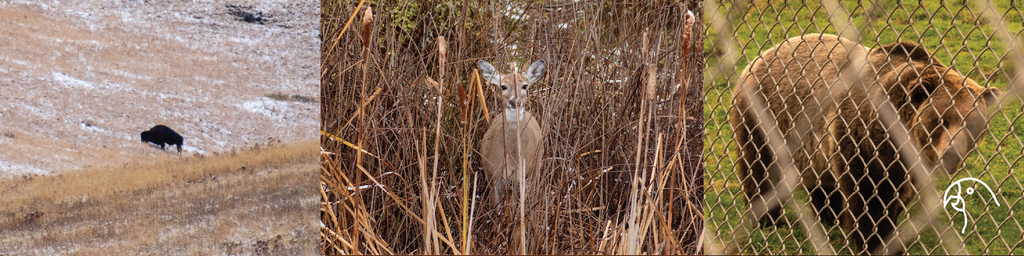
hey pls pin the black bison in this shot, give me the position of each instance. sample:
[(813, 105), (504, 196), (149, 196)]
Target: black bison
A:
[(162, 136)]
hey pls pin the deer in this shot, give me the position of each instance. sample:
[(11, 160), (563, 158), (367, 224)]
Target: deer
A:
[(512, 144)]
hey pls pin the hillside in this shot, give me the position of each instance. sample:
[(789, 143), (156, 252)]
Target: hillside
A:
[(79, 79), (260, 201)]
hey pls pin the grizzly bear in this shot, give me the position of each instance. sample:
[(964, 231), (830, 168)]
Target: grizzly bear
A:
[(826, 96)]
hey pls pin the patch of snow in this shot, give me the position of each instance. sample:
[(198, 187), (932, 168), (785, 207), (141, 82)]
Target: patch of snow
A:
[(15, 169), (19, 62), (191, 149), (92, 128), (210, 80), (40, 112), (131, 75), (362, 187), (248, 41), (71, 81), (268, 107)]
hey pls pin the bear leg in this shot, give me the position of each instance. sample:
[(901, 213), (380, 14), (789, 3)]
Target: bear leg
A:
[(755, 166), (828, 203), (870, 223)]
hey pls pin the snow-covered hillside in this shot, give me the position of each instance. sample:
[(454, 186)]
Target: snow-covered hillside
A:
[(80, 79)]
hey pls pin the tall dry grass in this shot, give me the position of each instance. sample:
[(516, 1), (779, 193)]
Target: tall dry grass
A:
[(258, 201), (623, 172), (143, 174)]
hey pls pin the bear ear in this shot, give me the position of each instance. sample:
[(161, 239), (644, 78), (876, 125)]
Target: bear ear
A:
[(991, 96), (909, 85), (911, 50)]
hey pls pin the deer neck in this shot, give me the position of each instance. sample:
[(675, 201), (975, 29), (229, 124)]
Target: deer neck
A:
[(513, 116)]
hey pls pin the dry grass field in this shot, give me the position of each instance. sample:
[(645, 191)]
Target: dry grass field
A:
[(259, 201)]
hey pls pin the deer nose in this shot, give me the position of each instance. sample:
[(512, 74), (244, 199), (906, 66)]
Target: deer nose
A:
[(512, 103)]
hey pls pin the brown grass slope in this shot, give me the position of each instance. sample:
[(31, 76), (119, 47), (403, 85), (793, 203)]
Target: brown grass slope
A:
[(260, 201), (80, 80)]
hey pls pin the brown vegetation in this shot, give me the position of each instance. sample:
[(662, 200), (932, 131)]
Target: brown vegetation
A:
[(259, 201), (402, 120)]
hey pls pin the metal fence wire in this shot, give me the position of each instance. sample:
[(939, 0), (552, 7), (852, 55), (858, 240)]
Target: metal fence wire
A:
[(864, 144)]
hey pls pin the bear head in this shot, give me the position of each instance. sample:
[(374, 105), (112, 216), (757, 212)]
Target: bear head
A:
[(945, 112)]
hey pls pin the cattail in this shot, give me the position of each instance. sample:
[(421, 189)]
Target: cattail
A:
[(648, 63), (687, 30), (442, 50), (684, 55), (367, 20), (685, 52), (463, 107)]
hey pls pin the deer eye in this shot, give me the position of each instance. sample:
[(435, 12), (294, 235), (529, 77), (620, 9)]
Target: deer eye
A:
[(503, 88), (524, 86)]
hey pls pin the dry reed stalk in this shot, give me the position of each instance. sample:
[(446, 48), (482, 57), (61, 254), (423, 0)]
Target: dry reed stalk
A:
[(425, 198), (522, 188), (338, 39), (367, 22), (350, 119), (467, 103), (581, 106), (630, 245), (649, 208), (447, 238), (442, 49), (463, 110), (472, 211), (681, 75), (475, 80)]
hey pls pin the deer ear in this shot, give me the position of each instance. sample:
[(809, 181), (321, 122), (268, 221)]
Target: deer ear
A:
[(535, 72), (488, 73)]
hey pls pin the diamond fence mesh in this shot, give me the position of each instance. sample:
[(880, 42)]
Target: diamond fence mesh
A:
[(901, 169)]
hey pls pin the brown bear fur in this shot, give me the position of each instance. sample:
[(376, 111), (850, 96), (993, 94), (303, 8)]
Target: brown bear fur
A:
[(828, 114)]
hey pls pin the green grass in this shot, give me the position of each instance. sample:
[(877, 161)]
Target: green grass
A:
[(958, 38)]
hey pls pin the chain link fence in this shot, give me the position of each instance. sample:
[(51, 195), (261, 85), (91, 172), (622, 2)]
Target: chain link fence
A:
[(948, 213)]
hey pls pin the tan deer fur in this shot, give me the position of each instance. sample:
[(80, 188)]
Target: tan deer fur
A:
[(514, 129)]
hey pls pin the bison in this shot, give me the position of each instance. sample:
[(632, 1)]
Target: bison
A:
[(161, 135)]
